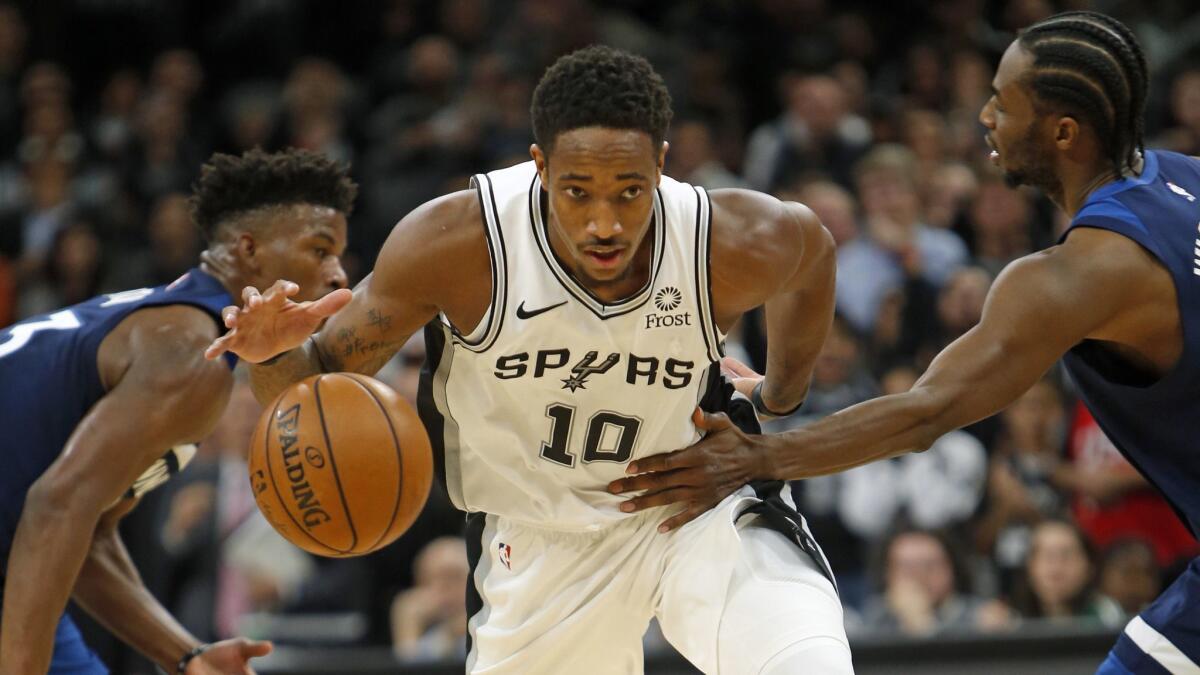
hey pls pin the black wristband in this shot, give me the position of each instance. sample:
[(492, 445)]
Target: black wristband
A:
[(196, 651), (756, 400)]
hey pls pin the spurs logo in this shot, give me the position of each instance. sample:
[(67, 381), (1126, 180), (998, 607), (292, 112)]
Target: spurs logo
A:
[(581, 371)]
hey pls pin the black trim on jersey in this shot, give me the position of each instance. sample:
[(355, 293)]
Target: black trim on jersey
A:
[(474, 536), (637, 300), (431, 417), (712, 312), (699, 305), (776, 513), (499, 265)]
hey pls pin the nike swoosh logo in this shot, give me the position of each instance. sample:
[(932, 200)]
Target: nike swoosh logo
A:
[(522, 314)]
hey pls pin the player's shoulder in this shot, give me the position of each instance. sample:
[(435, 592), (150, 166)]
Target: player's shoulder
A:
[(442, 241), (445, 215), (1089, 263), (1097, 251), (440, 227), (166, 340), (763, 227)]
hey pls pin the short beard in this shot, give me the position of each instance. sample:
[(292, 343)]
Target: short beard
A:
[(1036, 171)]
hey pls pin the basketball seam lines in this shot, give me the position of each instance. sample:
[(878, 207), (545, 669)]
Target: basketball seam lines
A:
[(399, 461), (337, 480), (275, 486)]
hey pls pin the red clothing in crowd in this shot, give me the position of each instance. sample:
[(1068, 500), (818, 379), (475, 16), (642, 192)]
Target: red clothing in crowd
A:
[(1141, 513)]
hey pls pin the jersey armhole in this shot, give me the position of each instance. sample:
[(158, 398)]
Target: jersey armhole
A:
[(485, 332), (1112, 215)]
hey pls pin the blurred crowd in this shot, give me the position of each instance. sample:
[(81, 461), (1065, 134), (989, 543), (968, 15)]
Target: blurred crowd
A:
[(867, 115)]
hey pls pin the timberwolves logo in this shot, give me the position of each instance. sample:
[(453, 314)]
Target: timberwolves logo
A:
[(668, 298)]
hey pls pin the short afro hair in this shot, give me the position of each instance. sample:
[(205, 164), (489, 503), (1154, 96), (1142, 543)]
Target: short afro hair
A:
[(230, 185), (599, 86)]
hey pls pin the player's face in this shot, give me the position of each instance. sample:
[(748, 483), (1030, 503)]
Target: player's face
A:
[(302, 243), (601, 186), (1021, 139)]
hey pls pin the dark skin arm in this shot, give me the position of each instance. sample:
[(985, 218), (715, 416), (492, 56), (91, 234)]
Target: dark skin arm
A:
[(1034, 314), (160, 394), (110, 589), (436, 259), (794, 265), (794, 261)]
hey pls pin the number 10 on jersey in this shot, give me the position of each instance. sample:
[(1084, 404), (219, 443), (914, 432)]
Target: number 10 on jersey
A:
[(608, 436)]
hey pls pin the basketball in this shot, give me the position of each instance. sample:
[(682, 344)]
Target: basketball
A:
[(340, 464)]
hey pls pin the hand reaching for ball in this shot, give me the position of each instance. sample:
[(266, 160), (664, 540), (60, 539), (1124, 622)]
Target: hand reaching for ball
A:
[(268, 324)]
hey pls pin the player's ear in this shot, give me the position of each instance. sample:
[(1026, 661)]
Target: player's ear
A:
[(1066, 133), (247, 251), (539, 160)]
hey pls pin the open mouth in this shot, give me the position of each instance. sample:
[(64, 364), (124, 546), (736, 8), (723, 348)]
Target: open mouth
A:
[(605, 257), (994, 155)]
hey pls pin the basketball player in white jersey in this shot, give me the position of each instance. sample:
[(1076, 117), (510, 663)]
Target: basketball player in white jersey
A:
[(576, 306)]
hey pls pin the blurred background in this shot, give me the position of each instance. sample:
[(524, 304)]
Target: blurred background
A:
[(1021, 544)]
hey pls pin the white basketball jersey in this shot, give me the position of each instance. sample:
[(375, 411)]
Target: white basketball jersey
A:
[(555, 391)]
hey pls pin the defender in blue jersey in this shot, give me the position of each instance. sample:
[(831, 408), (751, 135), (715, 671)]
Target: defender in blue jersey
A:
[(1119, 296), (99, 401)]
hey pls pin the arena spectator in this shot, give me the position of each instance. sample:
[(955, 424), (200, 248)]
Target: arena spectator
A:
[(924, 591), (1060, 579), (429, 620)]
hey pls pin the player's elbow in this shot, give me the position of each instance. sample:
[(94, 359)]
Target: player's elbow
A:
[(819, 253), (930, 416), (54, 498)]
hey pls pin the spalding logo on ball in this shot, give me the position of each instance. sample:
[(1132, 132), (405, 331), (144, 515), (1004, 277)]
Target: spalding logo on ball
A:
[(340, 464)]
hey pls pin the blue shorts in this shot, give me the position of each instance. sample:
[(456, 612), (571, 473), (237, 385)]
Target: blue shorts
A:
[(1165, 638), (72, 656)]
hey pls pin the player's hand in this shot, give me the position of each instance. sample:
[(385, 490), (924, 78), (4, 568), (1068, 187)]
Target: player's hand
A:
[(742, 376), (268, 324), (228, 657), (698, 477)]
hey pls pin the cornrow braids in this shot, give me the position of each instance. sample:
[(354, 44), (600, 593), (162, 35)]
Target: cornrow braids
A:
[(1092, 65)]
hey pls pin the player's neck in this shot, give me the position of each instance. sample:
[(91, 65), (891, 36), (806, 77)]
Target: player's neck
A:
[(1077, 186), (220, 264)]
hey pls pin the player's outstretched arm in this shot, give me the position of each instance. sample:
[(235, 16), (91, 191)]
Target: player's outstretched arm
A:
[(417, 268), (110, 589), (1040, 307), (162, 392)]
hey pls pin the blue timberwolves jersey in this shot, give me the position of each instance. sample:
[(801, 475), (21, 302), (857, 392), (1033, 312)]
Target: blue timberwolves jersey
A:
[(1153, 424), (49, 380)]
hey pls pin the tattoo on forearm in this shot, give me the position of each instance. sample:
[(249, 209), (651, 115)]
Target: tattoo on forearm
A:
[(356, 341), (380, 320)]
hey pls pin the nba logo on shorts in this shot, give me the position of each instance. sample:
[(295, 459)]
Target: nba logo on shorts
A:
[(506, 555)]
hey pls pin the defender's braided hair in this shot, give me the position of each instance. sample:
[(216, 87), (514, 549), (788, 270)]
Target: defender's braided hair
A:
[(1091, 65)]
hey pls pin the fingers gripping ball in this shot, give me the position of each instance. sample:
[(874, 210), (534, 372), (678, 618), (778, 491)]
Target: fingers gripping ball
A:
[(340, 465)]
